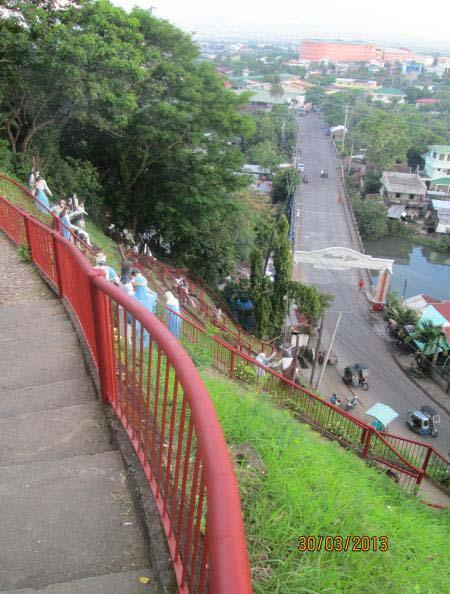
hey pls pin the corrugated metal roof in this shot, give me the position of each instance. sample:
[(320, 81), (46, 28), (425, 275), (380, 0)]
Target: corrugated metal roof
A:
[(383, 91), (443, 309), (383, 413)]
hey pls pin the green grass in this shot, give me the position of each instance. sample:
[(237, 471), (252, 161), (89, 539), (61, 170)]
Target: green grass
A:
[(106, 245), (315, 487)]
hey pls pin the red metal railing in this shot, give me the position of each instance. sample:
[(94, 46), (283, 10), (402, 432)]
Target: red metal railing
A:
[(410, 459), (157, 394)]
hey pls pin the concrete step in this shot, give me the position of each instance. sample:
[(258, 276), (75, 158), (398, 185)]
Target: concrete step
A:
[(36, 368), (114, 583), (46, 396), (62, 345), (30, 311), (40, 335), (53, 434), (66, 520)]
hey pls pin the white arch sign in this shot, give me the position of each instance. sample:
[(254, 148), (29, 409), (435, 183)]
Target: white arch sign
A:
[(342, 258)]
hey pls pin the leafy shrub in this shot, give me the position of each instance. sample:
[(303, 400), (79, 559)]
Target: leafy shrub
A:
[(371, 219), (24, 254), (245, 373), (444, 244)]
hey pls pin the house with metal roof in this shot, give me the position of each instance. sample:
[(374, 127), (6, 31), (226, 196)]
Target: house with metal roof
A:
[(407, 189), (439, 315), (388, 95), (440, 215)]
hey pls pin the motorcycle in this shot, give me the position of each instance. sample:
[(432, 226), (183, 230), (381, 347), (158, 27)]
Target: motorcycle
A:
[(350, 403)]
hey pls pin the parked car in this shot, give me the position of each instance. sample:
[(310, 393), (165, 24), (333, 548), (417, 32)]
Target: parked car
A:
[(301, 167)]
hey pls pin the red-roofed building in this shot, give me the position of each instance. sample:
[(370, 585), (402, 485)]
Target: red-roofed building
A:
[(426, 101), (443, 309)]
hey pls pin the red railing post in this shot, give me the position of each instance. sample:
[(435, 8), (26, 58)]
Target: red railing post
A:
[(425, 462), (57, 262), (232, 365), (103, 339), (368, 437), (419, 478), (26, 222)]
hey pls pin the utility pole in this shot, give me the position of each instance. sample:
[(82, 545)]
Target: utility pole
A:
[(347, 109), (350, 160), (316, 354), (325, 361), (404, 289), (283, 135)]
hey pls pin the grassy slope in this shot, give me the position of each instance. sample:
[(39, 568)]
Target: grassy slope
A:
[(314, 487)]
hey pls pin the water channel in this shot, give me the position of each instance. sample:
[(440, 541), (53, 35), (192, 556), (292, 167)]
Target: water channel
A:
[(424, 269)]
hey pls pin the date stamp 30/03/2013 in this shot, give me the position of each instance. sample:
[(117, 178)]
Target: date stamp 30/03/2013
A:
[(343, 544)]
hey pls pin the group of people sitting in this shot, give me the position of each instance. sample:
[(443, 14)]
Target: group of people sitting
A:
[(68, 214), (133, 282)]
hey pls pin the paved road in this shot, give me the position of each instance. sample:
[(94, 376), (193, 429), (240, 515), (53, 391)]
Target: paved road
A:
[(322, 222)]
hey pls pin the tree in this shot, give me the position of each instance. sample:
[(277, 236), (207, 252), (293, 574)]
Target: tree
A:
[(310, 302), (282, 261), (429, 336), (276, 88), (263, 309), (284, 183), (87, 88), (266, 154), (383, 134), (315, 95), (77, 60), (371, 218)]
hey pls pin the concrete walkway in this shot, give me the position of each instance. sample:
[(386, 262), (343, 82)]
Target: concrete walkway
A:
[(68, 523)]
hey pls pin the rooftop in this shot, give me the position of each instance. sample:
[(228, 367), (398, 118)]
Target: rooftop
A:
[(386, 91), (404, 183), (265, 97), (441, 148), (441, 181), (443, 309), (441, 205), (427, 100)]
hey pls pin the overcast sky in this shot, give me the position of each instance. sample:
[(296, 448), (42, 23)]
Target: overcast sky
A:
[(399, 22)]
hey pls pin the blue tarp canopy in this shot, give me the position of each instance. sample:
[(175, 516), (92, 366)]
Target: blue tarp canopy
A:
[(244, 305), (382, 413)]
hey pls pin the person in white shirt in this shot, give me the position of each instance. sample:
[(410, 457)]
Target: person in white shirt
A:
[(41, 184), (264, 360)]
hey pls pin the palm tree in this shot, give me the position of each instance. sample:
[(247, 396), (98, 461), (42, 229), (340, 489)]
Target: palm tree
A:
[(429, 335), (276, 89)]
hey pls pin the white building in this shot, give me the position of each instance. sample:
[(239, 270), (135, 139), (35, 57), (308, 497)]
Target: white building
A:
[(407, 189), (443, 66), (388, 95), (437, 161)]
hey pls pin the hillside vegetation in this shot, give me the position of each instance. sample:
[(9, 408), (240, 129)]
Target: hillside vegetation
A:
[(305, 485)]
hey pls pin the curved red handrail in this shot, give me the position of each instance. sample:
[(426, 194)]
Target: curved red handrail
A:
[(227, 561)]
